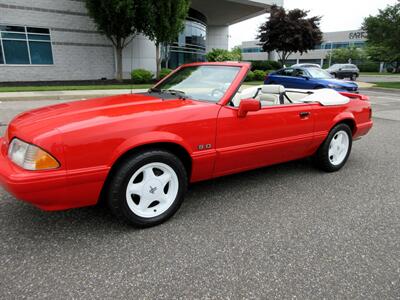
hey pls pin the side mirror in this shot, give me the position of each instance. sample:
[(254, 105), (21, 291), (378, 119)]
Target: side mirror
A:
[(305, 77), (247, 105)]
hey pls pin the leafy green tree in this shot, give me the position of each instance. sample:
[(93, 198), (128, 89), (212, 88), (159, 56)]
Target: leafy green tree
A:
[(224, 55), (119, 21), (384, 35), (167, 20), (343, 55), (288, 32)]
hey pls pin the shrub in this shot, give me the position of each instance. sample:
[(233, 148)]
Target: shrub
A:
[(224, 55), (259, 75), (141, 76), (265, 65), (164, 73), (250, 76), (369, 66)]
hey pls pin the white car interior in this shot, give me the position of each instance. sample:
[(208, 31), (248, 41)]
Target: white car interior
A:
[(272, 94)]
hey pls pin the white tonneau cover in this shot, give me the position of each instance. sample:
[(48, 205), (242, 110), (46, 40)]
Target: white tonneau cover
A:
[(326, 97)]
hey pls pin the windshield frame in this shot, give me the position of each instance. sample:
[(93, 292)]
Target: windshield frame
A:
[(244, 67)]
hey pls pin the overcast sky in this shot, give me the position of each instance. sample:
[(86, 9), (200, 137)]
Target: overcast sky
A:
[(337, 15)]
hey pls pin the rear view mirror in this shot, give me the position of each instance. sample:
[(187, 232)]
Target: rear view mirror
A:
[(247, 105)]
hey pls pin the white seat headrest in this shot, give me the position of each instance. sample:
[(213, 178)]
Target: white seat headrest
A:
[(273, 89)]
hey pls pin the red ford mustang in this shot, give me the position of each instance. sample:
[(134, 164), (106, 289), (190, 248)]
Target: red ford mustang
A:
[(139, 152)]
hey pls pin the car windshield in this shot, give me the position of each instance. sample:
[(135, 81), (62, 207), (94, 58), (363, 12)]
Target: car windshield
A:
[(319, 73), (204, 82)]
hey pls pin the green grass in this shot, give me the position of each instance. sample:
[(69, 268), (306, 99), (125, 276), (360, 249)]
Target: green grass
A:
[(253, 83), (388, 85), (73, 87), (377, 73)]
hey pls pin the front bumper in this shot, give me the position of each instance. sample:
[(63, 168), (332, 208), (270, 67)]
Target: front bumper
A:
[(44, 189)]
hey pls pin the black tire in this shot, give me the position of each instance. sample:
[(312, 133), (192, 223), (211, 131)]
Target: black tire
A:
[(116, 190), (334, 75), (322, 159)]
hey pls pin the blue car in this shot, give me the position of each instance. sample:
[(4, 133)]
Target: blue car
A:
[(310, 79)]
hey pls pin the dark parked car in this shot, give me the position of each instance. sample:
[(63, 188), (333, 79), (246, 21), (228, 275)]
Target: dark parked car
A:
[(309, 78), (342, 71)]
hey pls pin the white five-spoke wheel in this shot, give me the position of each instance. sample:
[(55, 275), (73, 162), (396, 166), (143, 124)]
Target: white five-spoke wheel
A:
[(339, 148), (152, 190), (335, 150), (147, 188)]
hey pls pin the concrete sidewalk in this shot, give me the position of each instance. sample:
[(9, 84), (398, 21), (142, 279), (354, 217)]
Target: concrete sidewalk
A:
[(64, 95)]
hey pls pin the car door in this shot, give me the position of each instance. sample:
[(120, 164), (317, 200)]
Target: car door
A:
[(274, 134), (304, 80)]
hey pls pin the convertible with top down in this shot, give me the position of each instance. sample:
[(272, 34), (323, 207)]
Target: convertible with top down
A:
[(139, 152)]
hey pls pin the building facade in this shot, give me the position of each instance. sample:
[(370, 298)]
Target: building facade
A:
[(45, 40), (331, 40)]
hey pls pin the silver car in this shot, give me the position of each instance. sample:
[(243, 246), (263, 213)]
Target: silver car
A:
[(342, 71)]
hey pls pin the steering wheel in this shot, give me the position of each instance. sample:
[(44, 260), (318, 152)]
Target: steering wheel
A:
[(217, 93)]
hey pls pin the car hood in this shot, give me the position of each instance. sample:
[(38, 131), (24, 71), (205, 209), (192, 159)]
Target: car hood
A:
[(339, 82), (85, 113)]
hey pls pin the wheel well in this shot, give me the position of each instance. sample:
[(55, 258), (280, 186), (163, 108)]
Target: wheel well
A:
[(349, 122), (173, 148)]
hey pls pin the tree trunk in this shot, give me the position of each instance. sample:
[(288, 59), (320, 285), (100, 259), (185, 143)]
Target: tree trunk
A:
[(158, 60), (119, 76)]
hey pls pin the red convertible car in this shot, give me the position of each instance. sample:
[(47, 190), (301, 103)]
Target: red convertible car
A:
[(139, 152)]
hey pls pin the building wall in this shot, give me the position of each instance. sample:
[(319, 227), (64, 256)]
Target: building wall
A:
[(80, 53), (217, 37), (139, 54), (315, 56)]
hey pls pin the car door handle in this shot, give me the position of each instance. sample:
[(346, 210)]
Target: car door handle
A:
[(304, 114)]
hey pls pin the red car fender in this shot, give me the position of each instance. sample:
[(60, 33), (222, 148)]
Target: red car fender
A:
[(148, 138), (344, 116)]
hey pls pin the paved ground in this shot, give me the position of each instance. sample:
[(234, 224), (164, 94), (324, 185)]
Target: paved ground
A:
[(379, 78), (288, 231)]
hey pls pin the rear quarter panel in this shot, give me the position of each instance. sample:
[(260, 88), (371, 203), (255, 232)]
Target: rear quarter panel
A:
[(356, 112)]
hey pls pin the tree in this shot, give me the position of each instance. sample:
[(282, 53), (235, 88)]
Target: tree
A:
[(119, 21), (167, 20), (224, 55), (343, 55), (289, 31), (384, 35)]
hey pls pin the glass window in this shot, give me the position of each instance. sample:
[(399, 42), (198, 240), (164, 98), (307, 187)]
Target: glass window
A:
[(41, 53), (208, 83), (38, 37), (319, 73), (25, 45), (12, 28), (38, 30), (1, 54), (14, 36), (16, 52)]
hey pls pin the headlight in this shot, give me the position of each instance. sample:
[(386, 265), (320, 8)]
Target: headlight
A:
[(30, 157)]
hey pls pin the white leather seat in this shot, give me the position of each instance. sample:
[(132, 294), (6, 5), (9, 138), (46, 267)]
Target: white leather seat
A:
[(270, 94), (245, 94)]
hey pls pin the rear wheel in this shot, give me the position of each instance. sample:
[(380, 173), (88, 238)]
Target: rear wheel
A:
[(335, 151), (147, 189)]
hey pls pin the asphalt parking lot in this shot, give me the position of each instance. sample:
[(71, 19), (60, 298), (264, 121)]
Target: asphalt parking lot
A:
[(287, 231)]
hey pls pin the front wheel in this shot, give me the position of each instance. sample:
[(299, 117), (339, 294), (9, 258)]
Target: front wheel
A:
[(147, 189), (335, 151)]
